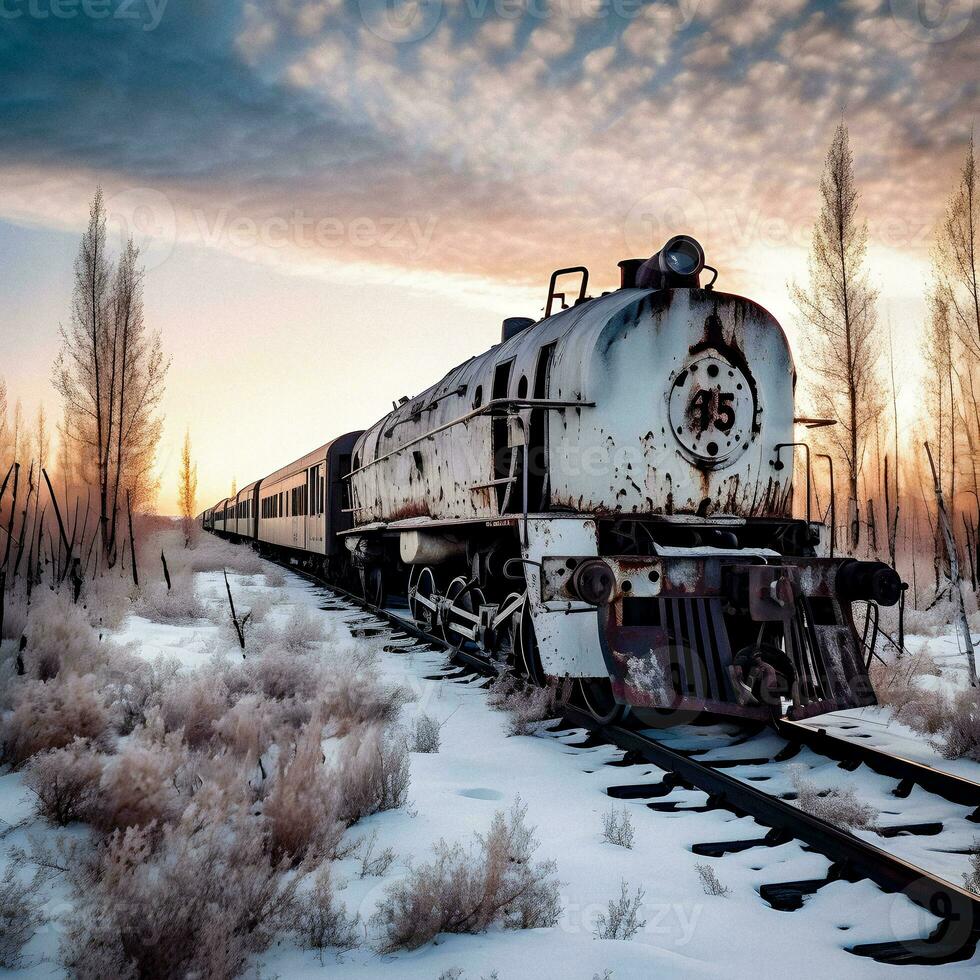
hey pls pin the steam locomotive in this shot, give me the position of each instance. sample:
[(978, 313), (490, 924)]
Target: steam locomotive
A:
[(605, 496)]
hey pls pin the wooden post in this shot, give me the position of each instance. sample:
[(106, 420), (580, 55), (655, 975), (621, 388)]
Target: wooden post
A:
[(166, 571), (132, 542), (57, 514), (954, 569), (234, 617)]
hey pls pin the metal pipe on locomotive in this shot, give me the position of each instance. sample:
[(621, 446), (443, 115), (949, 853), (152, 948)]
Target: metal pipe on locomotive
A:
[(606, 496)]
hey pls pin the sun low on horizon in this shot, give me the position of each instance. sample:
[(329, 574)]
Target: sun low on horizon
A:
[(337, 202)]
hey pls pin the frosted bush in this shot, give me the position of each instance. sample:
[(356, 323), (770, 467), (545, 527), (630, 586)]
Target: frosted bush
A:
[(132, 687), (462, 890), (194, 703), (300, 632), (20, 917), (352, 694), (838, 806), (426, 735), (65, 782), (50, 715), (14, 614), (139, 786), (617, 828), (972, 877), (621, 920), (248, 727), (197, 903), (374, 864), (527, 705), (321, 922), (375, 773), (59, 638), (959, 734), (274, 576), (178, 604), (302, 807), (279, 674)]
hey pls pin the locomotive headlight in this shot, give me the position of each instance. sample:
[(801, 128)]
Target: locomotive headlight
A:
[(593, 582), (682, 256)]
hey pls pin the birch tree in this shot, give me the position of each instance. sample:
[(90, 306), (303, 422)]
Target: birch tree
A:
[(838, 314), (110, 373)]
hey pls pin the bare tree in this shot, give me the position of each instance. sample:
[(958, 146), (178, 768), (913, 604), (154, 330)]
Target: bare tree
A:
[(6, 450), (839, 311), (187, 489), (110, 373), (41, 447)]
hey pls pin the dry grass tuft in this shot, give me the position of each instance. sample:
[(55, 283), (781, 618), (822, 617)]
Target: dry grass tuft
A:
[(467, 891), (838, 806)]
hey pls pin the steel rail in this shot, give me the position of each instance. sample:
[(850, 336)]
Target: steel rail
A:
[(956, 789)]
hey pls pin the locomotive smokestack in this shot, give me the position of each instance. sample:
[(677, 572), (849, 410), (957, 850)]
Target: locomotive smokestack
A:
[(627, 272)]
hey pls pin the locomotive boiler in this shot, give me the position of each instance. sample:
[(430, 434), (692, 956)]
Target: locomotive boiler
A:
[(606, 496)]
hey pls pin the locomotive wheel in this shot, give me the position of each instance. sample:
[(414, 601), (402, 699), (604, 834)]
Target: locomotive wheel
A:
[(424, 586), (597, 697), (526, 658), (463, 596)]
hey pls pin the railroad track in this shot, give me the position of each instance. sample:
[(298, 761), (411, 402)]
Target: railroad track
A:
[(852, 858)]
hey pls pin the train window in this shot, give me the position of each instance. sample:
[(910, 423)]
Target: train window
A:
[(522, 387), (478, 396)]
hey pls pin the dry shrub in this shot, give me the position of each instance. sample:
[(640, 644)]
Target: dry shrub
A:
[(838, 805), (50, 715), (249, 726), (20, 916), (352, 694), (426, 735), (133, 687), (301, 808), (710, 882), (275, 577), (617, 828), (320, 922), (959, 734), (59, 638), (139, 786), (196, 903), (194, 703), (15, 614), (467, 891), (178, 604), (526, 704), (374, 865), (375, 773), (301, 631), (621, 919), (65, 782), (280, 675), (972, 877)]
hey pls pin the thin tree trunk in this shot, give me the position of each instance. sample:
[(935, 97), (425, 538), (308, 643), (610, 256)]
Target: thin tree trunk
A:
[(947, 529)]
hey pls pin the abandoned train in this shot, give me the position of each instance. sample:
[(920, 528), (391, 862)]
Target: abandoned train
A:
[(605, 495)]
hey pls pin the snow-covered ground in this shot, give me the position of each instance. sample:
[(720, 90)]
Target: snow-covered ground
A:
[(480, 769)]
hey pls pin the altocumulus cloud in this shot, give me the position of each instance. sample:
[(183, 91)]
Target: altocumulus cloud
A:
[(496, 137)]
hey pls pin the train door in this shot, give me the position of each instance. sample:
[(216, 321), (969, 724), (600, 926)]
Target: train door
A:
[(538, 484), (500, 440)]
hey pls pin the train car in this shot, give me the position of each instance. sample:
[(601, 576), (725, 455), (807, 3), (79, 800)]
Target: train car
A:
[(301, 508), (220, 515), (244, 505)]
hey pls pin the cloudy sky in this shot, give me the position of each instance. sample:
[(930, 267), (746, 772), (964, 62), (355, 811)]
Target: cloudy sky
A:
[(339, 199)]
